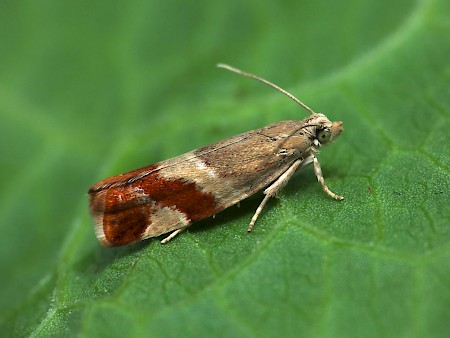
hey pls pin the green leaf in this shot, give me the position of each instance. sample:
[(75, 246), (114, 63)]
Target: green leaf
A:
[(91, 89)]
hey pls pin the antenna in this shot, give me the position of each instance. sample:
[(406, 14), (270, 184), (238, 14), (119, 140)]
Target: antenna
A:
[(292, 97)]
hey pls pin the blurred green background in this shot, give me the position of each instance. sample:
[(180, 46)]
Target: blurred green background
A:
[(94, 88)]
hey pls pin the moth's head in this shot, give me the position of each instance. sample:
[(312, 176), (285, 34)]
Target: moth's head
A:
[(325, 130)]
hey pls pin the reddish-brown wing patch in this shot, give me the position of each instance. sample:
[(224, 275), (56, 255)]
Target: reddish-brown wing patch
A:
[(123, 212)]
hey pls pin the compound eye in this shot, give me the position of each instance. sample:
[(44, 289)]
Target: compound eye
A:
[(324, 135)]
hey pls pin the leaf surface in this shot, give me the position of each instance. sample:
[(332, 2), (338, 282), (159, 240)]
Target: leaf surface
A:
[(89, 90)]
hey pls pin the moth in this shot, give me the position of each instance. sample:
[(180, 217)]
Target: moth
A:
[(170, 195)]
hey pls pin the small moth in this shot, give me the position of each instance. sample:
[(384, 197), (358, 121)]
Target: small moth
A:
[(168, 196)]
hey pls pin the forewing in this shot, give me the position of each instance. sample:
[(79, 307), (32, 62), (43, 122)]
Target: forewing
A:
[(172, 194)]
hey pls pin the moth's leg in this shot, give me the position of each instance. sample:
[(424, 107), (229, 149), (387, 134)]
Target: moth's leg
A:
[(273, 189), (318, 172), (172, 235)]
